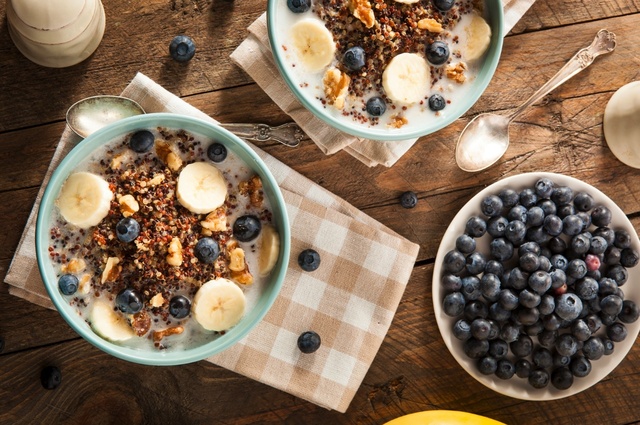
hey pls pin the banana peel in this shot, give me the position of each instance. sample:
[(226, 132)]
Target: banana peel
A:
[(443, 417)]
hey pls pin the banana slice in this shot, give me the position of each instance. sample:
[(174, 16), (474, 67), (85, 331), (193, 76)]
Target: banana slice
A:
[(478, 37), (269, 249), (201, 188), (108, 323), (85, 199), (406, 78), (314, 44), (218, 305)]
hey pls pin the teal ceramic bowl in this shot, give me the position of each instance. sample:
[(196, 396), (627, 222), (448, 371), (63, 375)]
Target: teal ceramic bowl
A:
[(115, 131), (279, 21)]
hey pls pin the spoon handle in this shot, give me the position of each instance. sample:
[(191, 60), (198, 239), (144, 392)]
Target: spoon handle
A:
[(604, 42), (288, 134)]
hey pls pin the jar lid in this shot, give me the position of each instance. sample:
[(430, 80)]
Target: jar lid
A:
[(48, 14)]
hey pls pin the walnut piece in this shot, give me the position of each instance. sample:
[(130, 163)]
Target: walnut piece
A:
[(141, 323), (430, 25), (157, 300), (398, 121), (74, 266), (362, 10), (111, 270), (455, 72), (159, 335), (336, 87), (236, 260), (157, 179), (84, 287), (116, 161), (128, 205), (174, 256), (243, 277), (166, 155), (216, 220), (253, 189)]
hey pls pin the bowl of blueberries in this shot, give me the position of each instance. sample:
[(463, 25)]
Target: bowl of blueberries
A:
[(388, 70), (533, 286)]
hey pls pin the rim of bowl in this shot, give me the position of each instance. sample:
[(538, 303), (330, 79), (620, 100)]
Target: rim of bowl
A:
[(483, 78), (119, 129)]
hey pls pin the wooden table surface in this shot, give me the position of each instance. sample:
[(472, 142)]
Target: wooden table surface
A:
[(413, 370)]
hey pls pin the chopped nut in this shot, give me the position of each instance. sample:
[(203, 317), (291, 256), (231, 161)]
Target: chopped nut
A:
[(85, 284), (174, 256), (252, 188), (455, 72), (430, 25), (398, 121), (216, 220), (74, 266), (336, 86), (111, 270), (236, 260), (141, 323), (157, 300), (128, 205), (116, 161), (243, 277), (159, 335), (157, 179), (362, 10), (166, 155)]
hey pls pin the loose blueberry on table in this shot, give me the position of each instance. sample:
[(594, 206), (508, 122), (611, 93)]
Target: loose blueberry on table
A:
[(408, 199), (50, 377), (547, 300), (182, 48), (309, 260), (309, 342)]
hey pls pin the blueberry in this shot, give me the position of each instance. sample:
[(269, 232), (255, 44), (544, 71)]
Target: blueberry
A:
[(586, 219), (309, 260), (559, 261), (599, 245), (437, 52), (127, 229), (583, 201), (617, 332), (552, 225), (494, 267), (68, 284), (517, 212), (547, 304), (129, 301), (572, 225), (545, 264), (580, 244), (522, 347), (509, 332), (480, 329), (509, 197), (529, 262), (547, 338), (562, 195), (565, 210), (619, 274), (528, 198), (354, 58), (544, 188), (566, 345), (593, 348), (568, 306), (487, 365), (376, 106), (475, 263), (562, 378), (451, 283), (527, 316), (523, 368), (496, 226), (580, 330), (490, 286), (179, 306), (622, 239), (540, 281), (629, 313), (454, 262), (207, 250), (612, 255), (517, 278), (443, 5), (629, 257), (539, 378), (475, 348), (50, 377), (141, 141), (217, 152), (496, 312), (594, 323), (462, 330), (542, 358), (471, 288), (609, 346), (551, 322), (465, 244), (538, 235), (607, 233), (516, 232), (408, 199), (299, 6), (476, 227), (506, 369), (182, 48), (548, 206), (601, 216), (453, 304), (246, 228), (437, 102), (501, 249), (576, 269), (309, 342), (535, 216), (508, 300), (580, 366), (475, 309), (558, 278), (529, 299), (587, 288), (607, 286), (611, 305), (556, 245)]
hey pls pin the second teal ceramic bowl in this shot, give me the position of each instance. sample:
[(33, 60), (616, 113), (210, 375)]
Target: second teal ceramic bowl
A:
[(115, 131)]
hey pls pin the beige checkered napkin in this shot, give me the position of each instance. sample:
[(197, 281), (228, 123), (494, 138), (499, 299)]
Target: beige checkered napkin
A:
[(255, 57), (350, 300)]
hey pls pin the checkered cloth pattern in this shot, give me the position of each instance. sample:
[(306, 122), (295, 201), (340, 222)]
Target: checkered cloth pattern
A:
[(349, 301)]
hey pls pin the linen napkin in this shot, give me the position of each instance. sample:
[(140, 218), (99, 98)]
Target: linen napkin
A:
[(255, 58), (350, 300)]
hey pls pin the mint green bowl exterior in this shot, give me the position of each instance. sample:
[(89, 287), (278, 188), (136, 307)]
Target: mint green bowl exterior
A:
[(116, 130), (453, 112)]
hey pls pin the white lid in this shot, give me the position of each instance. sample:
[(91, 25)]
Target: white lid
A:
[(48, 14)]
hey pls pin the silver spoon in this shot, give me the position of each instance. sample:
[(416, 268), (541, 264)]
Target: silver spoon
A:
[(486, 137), (92, 113)]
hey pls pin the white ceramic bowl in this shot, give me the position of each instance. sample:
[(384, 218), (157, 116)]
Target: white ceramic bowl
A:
[(517, 387), (279, 19)]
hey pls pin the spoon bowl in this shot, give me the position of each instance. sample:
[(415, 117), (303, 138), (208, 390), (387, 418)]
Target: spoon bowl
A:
[(91, 114)]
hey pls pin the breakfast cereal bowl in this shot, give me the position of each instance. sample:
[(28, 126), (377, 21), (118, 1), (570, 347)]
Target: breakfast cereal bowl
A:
[(162, 239), (562, 336), (386, 70)]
